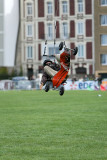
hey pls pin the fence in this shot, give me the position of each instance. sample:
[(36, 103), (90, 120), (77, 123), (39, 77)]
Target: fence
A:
[(35, 84), (19, 85)]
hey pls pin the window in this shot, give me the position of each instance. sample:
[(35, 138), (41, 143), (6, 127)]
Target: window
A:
[(80, 5), (65, 30), (80, 70), (29, 52), (29, 8), (52, 50), (1, 23), (50, 31), (80, 51), (104, 2), (29, 30), (49, 7), (1, 41), (104, 59), (64, 7), (104, 20), (104, 40), (80, 28)]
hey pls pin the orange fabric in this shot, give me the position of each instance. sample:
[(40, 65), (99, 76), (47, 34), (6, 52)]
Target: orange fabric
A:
[(61, 75)]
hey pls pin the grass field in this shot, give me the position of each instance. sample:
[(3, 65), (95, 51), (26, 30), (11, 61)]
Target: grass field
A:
[(35, 125)]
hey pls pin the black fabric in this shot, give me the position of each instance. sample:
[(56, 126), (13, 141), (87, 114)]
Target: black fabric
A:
[(47, 60), (61, 46), (45, 76)]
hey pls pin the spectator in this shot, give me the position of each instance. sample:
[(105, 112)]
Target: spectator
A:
[(73, 79), (86, 78), (99, 79)]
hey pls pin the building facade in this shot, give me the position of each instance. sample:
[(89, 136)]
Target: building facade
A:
[(101, 38), (1, 32), (9, 23), (74, 23)]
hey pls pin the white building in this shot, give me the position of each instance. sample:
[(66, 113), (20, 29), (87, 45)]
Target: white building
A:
[(75, 24), (9, 23)]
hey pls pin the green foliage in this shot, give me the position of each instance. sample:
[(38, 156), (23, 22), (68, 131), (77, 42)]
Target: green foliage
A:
[(4, 73), (35, 125), (21, 71), (13, 73)]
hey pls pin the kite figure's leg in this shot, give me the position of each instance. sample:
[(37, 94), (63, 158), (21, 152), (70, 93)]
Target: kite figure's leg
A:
[(51, 72)]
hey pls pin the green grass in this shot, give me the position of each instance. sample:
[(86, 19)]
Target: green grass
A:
[(35, 125)]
